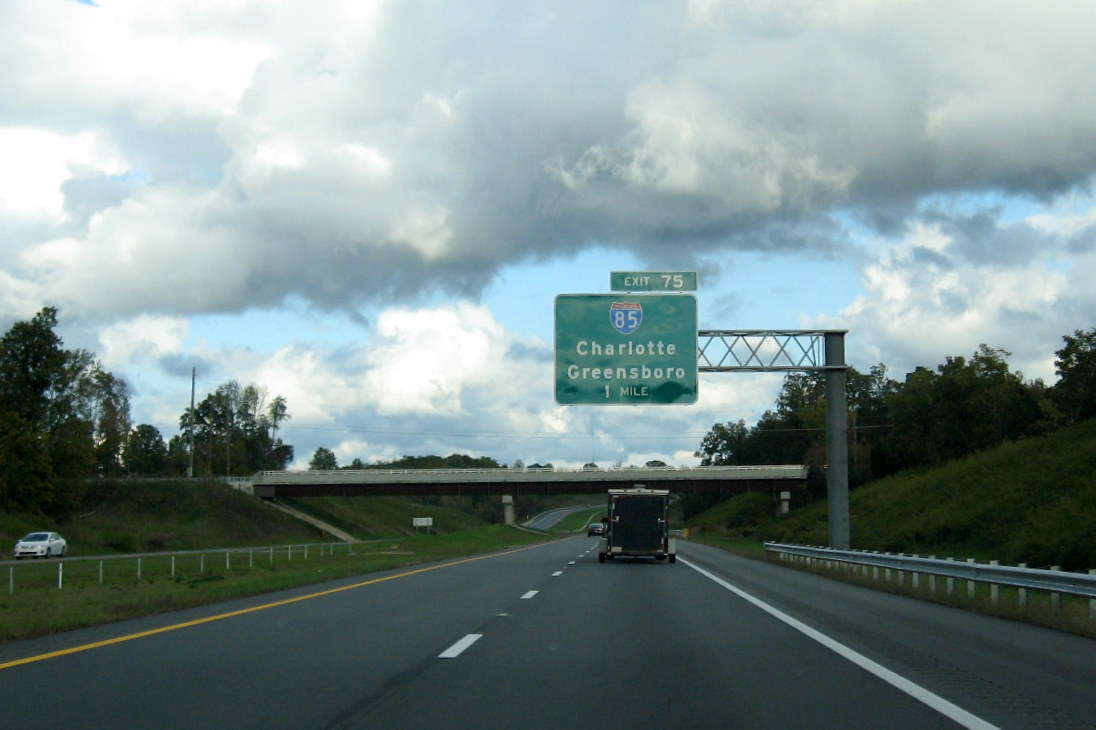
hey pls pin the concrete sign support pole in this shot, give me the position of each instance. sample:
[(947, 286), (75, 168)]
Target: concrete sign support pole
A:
[(837, 449), (764, 351)]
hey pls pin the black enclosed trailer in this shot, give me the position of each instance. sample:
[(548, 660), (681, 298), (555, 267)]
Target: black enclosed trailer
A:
[(638, 525)]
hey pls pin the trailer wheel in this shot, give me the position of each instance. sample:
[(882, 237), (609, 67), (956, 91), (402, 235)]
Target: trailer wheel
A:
[(673, 557), (601, 557)]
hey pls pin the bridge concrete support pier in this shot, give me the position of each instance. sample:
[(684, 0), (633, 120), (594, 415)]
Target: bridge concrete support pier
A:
[(508, 509)]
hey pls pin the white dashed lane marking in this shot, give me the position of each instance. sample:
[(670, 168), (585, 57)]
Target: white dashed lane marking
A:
[(456, 649)]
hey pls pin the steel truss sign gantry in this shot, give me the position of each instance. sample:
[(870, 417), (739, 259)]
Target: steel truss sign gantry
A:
[(723, 351), (762, 350)]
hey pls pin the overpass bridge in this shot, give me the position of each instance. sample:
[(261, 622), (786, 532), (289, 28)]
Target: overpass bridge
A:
[(727, 480)]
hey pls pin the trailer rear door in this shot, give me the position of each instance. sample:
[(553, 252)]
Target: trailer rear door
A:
[(638, 523)]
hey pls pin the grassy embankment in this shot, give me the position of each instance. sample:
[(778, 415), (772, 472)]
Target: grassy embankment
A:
[(1028, 502), (578, 521), (126, 517)]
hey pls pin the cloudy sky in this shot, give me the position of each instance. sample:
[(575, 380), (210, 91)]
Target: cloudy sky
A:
[(369, 207)]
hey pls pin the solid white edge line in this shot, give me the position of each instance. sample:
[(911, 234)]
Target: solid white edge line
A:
[(456, 649), (916, 691), (529, 595)]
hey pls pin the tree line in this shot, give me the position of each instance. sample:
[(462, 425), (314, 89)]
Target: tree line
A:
[(65, 419), (324, 459), (964, 405)]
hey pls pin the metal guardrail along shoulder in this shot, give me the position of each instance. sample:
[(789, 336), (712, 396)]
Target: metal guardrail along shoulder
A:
[(1078, 584)]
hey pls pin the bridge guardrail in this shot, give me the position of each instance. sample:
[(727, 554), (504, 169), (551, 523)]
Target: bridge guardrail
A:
[(1053, 581), (547, 470), (367, 482)]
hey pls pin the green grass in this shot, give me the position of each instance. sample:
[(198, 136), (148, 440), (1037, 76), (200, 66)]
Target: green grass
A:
[(1028, 502), (37, 606), (130, 516), (372, 517), (125, 516), (577, 521), (122, 516)]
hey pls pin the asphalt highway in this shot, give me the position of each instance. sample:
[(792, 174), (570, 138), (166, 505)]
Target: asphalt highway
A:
[(546, 637)]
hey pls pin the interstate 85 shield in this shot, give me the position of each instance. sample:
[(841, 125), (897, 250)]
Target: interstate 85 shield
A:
[(626, 316)]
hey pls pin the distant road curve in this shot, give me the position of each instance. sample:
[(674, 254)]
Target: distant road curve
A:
[(547, 520)]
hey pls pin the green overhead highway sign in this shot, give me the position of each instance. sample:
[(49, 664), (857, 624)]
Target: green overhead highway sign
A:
[(652, 280), (626, 349)]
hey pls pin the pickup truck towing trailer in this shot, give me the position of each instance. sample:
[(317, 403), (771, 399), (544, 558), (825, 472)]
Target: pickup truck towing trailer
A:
[(638, 525)]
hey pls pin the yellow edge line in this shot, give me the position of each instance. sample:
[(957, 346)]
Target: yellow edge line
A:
[(253, 609)]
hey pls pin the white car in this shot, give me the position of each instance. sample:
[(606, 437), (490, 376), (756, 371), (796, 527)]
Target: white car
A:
[(40, 545)]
